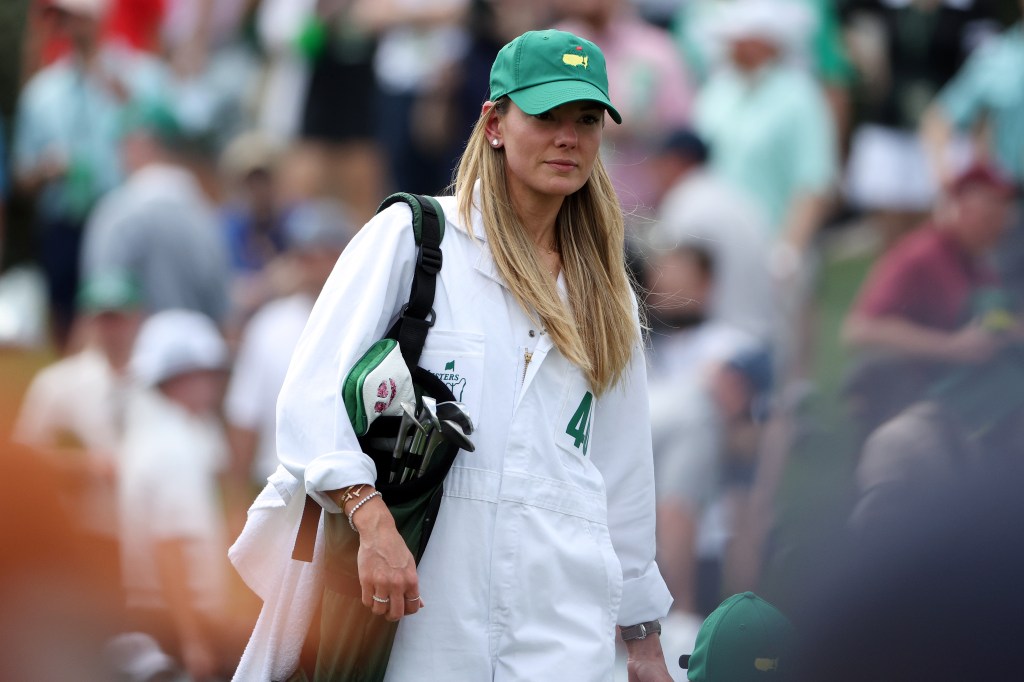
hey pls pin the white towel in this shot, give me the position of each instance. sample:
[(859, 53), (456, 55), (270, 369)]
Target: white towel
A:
[(289, 589)]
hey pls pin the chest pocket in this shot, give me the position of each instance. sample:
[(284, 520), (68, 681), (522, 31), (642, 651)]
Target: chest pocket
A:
[(457, 359)]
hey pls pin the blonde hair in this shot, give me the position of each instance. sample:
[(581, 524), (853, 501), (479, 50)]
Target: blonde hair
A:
[(597, 331)]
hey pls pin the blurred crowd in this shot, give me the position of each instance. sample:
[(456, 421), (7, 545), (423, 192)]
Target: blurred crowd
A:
[(179, 177)]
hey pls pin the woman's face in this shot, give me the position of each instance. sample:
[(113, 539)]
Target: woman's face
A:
[(550, 154)]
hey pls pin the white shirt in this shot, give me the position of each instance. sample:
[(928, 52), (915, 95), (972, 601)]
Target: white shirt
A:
[(412, 59), (167, 490), (545, 539), (77, 402), (704, 211), (260, 367)]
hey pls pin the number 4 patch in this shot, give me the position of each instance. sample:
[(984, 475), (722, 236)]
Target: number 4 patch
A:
[(579, 424)]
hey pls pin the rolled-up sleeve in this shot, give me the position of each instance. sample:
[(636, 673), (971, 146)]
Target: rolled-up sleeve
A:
[(621, 449), (369, 284)]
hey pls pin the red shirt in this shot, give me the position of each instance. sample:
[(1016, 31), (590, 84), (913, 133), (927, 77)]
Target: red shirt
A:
[(927, 278), (133, 22)]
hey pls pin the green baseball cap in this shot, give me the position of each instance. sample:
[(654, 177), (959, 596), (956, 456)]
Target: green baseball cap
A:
[(109, 292), (541, 70), (745, 639)]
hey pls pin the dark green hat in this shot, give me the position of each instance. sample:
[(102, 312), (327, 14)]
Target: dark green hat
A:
[(109, 291), (541, 70), (745, 639)]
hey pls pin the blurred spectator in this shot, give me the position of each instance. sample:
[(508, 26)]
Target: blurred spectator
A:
[(918, 312), (158, 225), (320, 90), (421, 42), (66, 137), (212, 70), (970, 417), (773, 137), (73, 410), (339, 117), (315, 235), (820, 49), (57, 610), (279, 25), (930, 592), (697, 208), (769, 125), (253, 220), (173, 537), (706, 463), (905, 52), (646, 74), (987, 91), (684, 335), (687, 439), (134, 24), (823, 51)]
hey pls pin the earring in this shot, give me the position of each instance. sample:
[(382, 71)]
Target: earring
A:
[(494, 142)]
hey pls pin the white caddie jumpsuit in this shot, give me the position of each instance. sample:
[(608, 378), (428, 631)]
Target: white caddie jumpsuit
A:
[(545, 537)]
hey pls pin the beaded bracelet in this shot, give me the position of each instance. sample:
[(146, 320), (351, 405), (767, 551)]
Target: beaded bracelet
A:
[(360, 503)]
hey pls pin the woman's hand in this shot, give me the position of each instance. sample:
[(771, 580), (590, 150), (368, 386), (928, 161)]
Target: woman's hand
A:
[(387, 569), (646, 660)]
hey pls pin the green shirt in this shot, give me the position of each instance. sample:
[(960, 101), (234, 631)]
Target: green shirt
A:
[(991, 84), (771, 135), (73, 115)]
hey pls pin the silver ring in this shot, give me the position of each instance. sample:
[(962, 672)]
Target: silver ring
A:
[(381, 600), (416, 598)]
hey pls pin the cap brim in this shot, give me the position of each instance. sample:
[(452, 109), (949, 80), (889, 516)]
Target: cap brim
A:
[(546, 96)]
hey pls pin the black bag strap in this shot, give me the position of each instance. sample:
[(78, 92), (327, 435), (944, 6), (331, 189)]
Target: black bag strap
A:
[(411, 327), (417, 316)]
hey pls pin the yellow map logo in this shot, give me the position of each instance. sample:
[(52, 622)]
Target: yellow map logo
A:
[(766, 664), (575, 60)]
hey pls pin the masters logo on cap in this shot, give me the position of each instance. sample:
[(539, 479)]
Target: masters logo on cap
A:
[(541, 70)]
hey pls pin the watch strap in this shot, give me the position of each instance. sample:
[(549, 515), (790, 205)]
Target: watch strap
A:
[(640, 630)]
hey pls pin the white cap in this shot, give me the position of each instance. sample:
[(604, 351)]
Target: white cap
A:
[(90, 8), (785, 23), (173, 342), (138, 657)]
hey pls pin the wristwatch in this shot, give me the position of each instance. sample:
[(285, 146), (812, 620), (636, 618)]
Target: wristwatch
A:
[(640, 630)]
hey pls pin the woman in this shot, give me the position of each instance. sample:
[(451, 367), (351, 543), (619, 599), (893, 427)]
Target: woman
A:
[(545, 539)]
